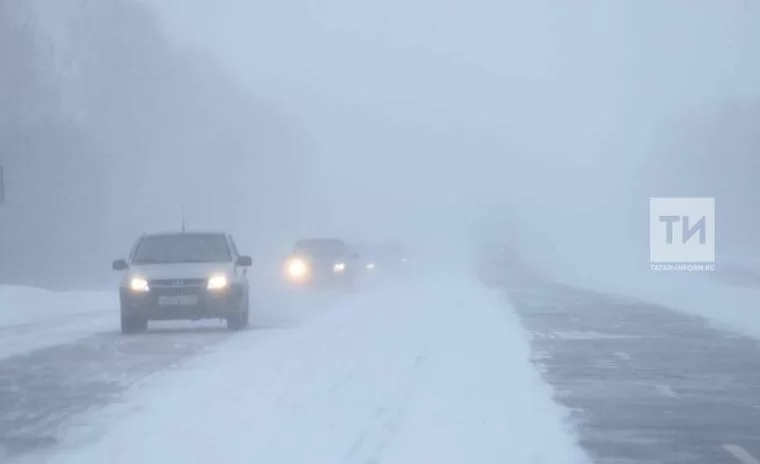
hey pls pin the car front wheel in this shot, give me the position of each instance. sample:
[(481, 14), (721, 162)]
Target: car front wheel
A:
[(239, 320)]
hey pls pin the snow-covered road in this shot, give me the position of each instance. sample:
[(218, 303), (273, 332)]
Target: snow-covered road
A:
[(424, 369), (428, 370)]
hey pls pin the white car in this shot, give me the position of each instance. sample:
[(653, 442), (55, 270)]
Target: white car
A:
[(183, 275)]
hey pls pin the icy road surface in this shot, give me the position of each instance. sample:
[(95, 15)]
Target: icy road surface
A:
[(42, 390), (646, 384), (68, 359), (425, 371)]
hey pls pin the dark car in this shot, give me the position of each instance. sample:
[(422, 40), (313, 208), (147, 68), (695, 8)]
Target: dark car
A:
[(183, 276), (321, 262)]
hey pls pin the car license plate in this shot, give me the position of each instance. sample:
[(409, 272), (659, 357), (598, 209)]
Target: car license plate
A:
[(178, 300)]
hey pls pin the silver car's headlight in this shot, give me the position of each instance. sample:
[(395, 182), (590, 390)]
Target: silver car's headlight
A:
[(218, 282), (339, 267), (139, 285)]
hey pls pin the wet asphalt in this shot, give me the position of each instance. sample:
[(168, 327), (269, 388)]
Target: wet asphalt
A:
[(644, 384)]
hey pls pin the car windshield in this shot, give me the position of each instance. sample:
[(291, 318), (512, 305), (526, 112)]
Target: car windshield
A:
[(320, 248), (182, 248)]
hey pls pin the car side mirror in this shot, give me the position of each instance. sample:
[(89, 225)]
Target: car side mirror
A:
[(120, 265), (244, 261)]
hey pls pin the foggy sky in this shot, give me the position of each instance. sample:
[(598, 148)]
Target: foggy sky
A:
[(447, 108), (547, 123)]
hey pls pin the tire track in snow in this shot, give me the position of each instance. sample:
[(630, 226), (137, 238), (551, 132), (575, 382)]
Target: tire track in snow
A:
[(372, 386), (369, 446)]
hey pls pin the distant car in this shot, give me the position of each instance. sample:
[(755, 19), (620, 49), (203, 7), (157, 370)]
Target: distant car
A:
[(321, 263), (183, 276)]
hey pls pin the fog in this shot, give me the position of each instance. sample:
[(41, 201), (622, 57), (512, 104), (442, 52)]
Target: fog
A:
[(548, 124)]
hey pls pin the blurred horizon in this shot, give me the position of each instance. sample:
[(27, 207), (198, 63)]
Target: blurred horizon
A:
[(429, 123)]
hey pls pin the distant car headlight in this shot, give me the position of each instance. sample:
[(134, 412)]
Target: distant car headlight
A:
[(297, 268), (339, 267), (218, 282), (139, 285), (370, 265)]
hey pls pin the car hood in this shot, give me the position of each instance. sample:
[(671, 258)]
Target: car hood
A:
[(179, 270)]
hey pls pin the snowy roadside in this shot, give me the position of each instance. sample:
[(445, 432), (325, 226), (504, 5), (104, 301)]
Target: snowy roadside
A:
[(29, 305), (433, 372), (711, 294), (730, 306), (33, 318)]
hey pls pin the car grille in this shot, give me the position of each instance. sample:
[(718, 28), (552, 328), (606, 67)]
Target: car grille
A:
[(177, 283), (176, 291)]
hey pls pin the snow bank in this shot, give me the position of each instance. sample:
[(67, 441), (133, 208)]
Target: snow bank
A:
[(732, 306), (28, 305), (722, 296), (433, 372), (601, 243), (32, 318)]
